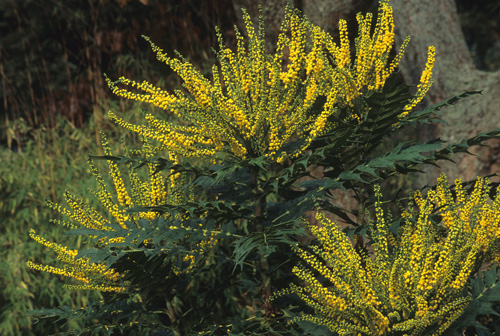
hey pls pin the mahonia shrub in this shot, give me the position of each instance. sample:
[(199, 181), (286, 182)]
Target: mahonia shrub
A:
[(253, 105), (200, 242), (409, 283)]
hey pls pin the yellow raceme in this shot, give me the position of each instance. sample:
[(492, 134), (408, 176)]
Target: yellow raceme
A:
[(156, 190), (254, 105), (94, 276), (411, 282)]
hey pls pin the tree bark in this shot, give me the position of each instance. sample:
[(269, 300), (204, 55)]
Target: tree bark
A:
[(327, 14), (437, 23)]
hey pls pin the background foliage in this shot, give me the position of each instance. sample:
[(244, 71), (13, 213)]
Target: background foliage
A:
[(52, 57)]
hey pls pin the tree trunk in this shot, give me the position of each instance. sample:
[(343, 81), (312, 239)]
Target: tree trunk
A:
[(436, 23), (326, 14)]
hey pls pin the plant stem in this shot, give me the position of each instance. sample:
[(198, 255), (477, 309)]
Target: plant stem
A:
[(269, 309)]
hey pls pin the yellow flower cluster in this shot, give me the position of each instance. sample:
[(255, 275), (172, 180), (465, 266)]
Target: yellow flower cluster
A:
[(425, 83), (151, 192), (474, 214), (411, 282), (254, 104), (94, 276)]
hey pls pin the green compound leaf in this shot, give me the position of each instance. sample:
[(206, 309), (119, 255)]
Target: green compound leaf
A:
[(127, 315), (466, 143), (356, 162), (485, 301), (410, 154), (313, 329), (401, 159), (264, 243), (423, 116)]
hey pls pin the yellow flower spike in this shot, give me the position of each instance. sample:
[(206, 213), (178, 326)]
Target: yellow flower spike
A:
[(443, 200), (476, 199), (297, 48), (79, 269), (363, 42), (102, 288), (105, 198), (413, 285), (395, 62), (121, 191), (194, 82), (464, 274), (257, 101), (84, 215), (173, 140), (62, 251), (158, 192), (454, 310), (460, 191), (421, 235), (425, 83), (47, 268), (381, 245), (343, 58), (242, 65), (155, 96)]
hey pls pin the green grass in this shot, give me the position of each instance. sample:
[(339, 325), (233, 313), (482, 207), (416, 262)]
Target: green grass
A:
[(50, 161)]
